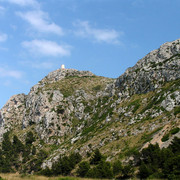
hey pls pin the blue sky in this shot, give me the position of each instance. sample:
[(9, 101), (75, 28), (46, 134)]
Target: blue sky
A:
[(103, 36)]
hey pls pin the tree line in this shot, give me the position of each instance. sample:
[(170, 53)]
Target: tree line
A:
[(151, 162)]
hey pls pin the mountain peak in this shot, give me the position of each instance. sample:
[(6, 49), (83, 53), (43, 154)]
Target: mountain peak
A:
[(150, 72), (62, 73)]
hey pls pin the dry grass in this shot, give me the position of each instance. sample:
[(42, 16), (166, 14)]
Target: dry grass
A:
[(16, 176), (69, 85), (20, 177)]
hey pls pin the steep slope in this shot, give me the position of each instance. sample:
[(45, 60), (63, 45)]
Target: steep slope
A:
[(72, 110), (55, 104), (152, 71)]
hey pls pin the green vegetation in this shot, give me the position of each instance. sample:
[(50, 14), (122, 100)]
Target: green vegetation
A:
[(156, 163), (165, 138), (63, 166), (175, 130), (59, 109), (152, 162), (177, 110), (69, 85), (135, 104), (16, 156)]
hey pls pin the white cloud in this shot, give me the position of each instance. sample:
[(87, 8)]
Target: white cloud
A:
[(46, 48), (2, 9), (10, 73), (32, 3), (39, 20), (38, 65), (99, 35), (3, 37)]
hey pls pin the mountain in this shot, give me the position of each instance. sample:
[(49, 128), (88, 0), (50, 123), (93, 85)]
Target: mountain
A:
[(77, 111)]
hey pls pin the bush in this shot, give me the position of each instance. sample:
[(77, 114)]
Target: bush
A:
[(30, 138), (165, 138), (17, 145), (66, 164), (159, 163), (174, 131), (60, 110), (97, 157), (83, 169), (176, 110), (144, 171), (127, 171), (102, 170), (117, 167), (46, 172)]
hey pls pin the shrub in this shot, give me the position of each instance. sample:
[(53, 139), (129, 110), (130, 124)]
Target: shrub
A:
[(83, 169), (127, 171), (46, 172), (165, 138), (159, 163), (117, 167), (59, 110), (144, 171), (17, 145), (66, 164), (176, 110), (97, 157), (102, 170), (30, 138), (175, 130), (97, 88)]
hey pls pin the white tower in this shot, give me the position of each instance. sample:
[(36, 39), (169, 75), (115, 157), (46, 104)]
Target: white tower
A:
[(62, 66)]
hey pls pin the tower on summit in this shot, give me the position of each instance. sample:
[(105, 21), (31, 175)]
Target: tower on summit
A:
[(62, 66)]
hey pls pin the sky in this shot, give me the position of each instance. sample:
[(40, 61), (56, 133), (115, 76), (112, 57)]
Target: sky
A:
[(102, 36)]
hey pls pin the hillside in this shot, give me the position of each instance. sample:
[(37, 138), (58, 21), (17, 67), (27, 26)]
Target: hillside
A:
[(76, 111)]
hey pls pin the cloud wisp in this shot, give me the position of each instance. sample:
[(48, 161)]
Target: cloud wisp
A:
[(40, 21), (10, 73), (23, 3), (99, 35), (38, 65), (3, 37), (2, 9), (46, 48)]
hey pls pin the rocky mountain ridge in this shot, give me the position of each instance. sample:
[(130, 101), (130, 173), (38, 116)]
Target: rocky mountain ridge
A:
[(152, 71), (79, 111)]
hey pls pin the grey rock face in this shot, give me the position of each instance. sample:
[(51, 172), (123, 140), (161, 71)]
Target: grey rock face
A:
[(171, 101), (12, 113), (62, 73), (48, 109), (152, 71)]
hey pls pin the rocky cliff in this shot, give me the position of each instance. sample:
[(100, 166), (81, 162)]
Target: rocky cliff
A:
[(72, 110), (152, 71)]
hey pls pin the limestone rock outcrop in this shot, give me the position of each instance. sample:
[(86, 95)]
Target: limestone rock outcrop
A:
[(152, 71)]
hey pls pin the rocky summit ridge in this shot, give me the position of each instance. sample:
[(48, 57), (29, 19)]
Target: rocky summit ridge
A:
[(71, 110), (149, 73)]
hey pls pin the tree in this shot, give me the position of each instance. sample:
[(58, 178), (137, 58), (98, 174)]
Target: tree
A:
[(144, 171), (6, 143), (127, 171), (97, 157), (74, 158), (33, 150), (17, 145), (102, 170), (117, 167), (30, 138), (83, 168)]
